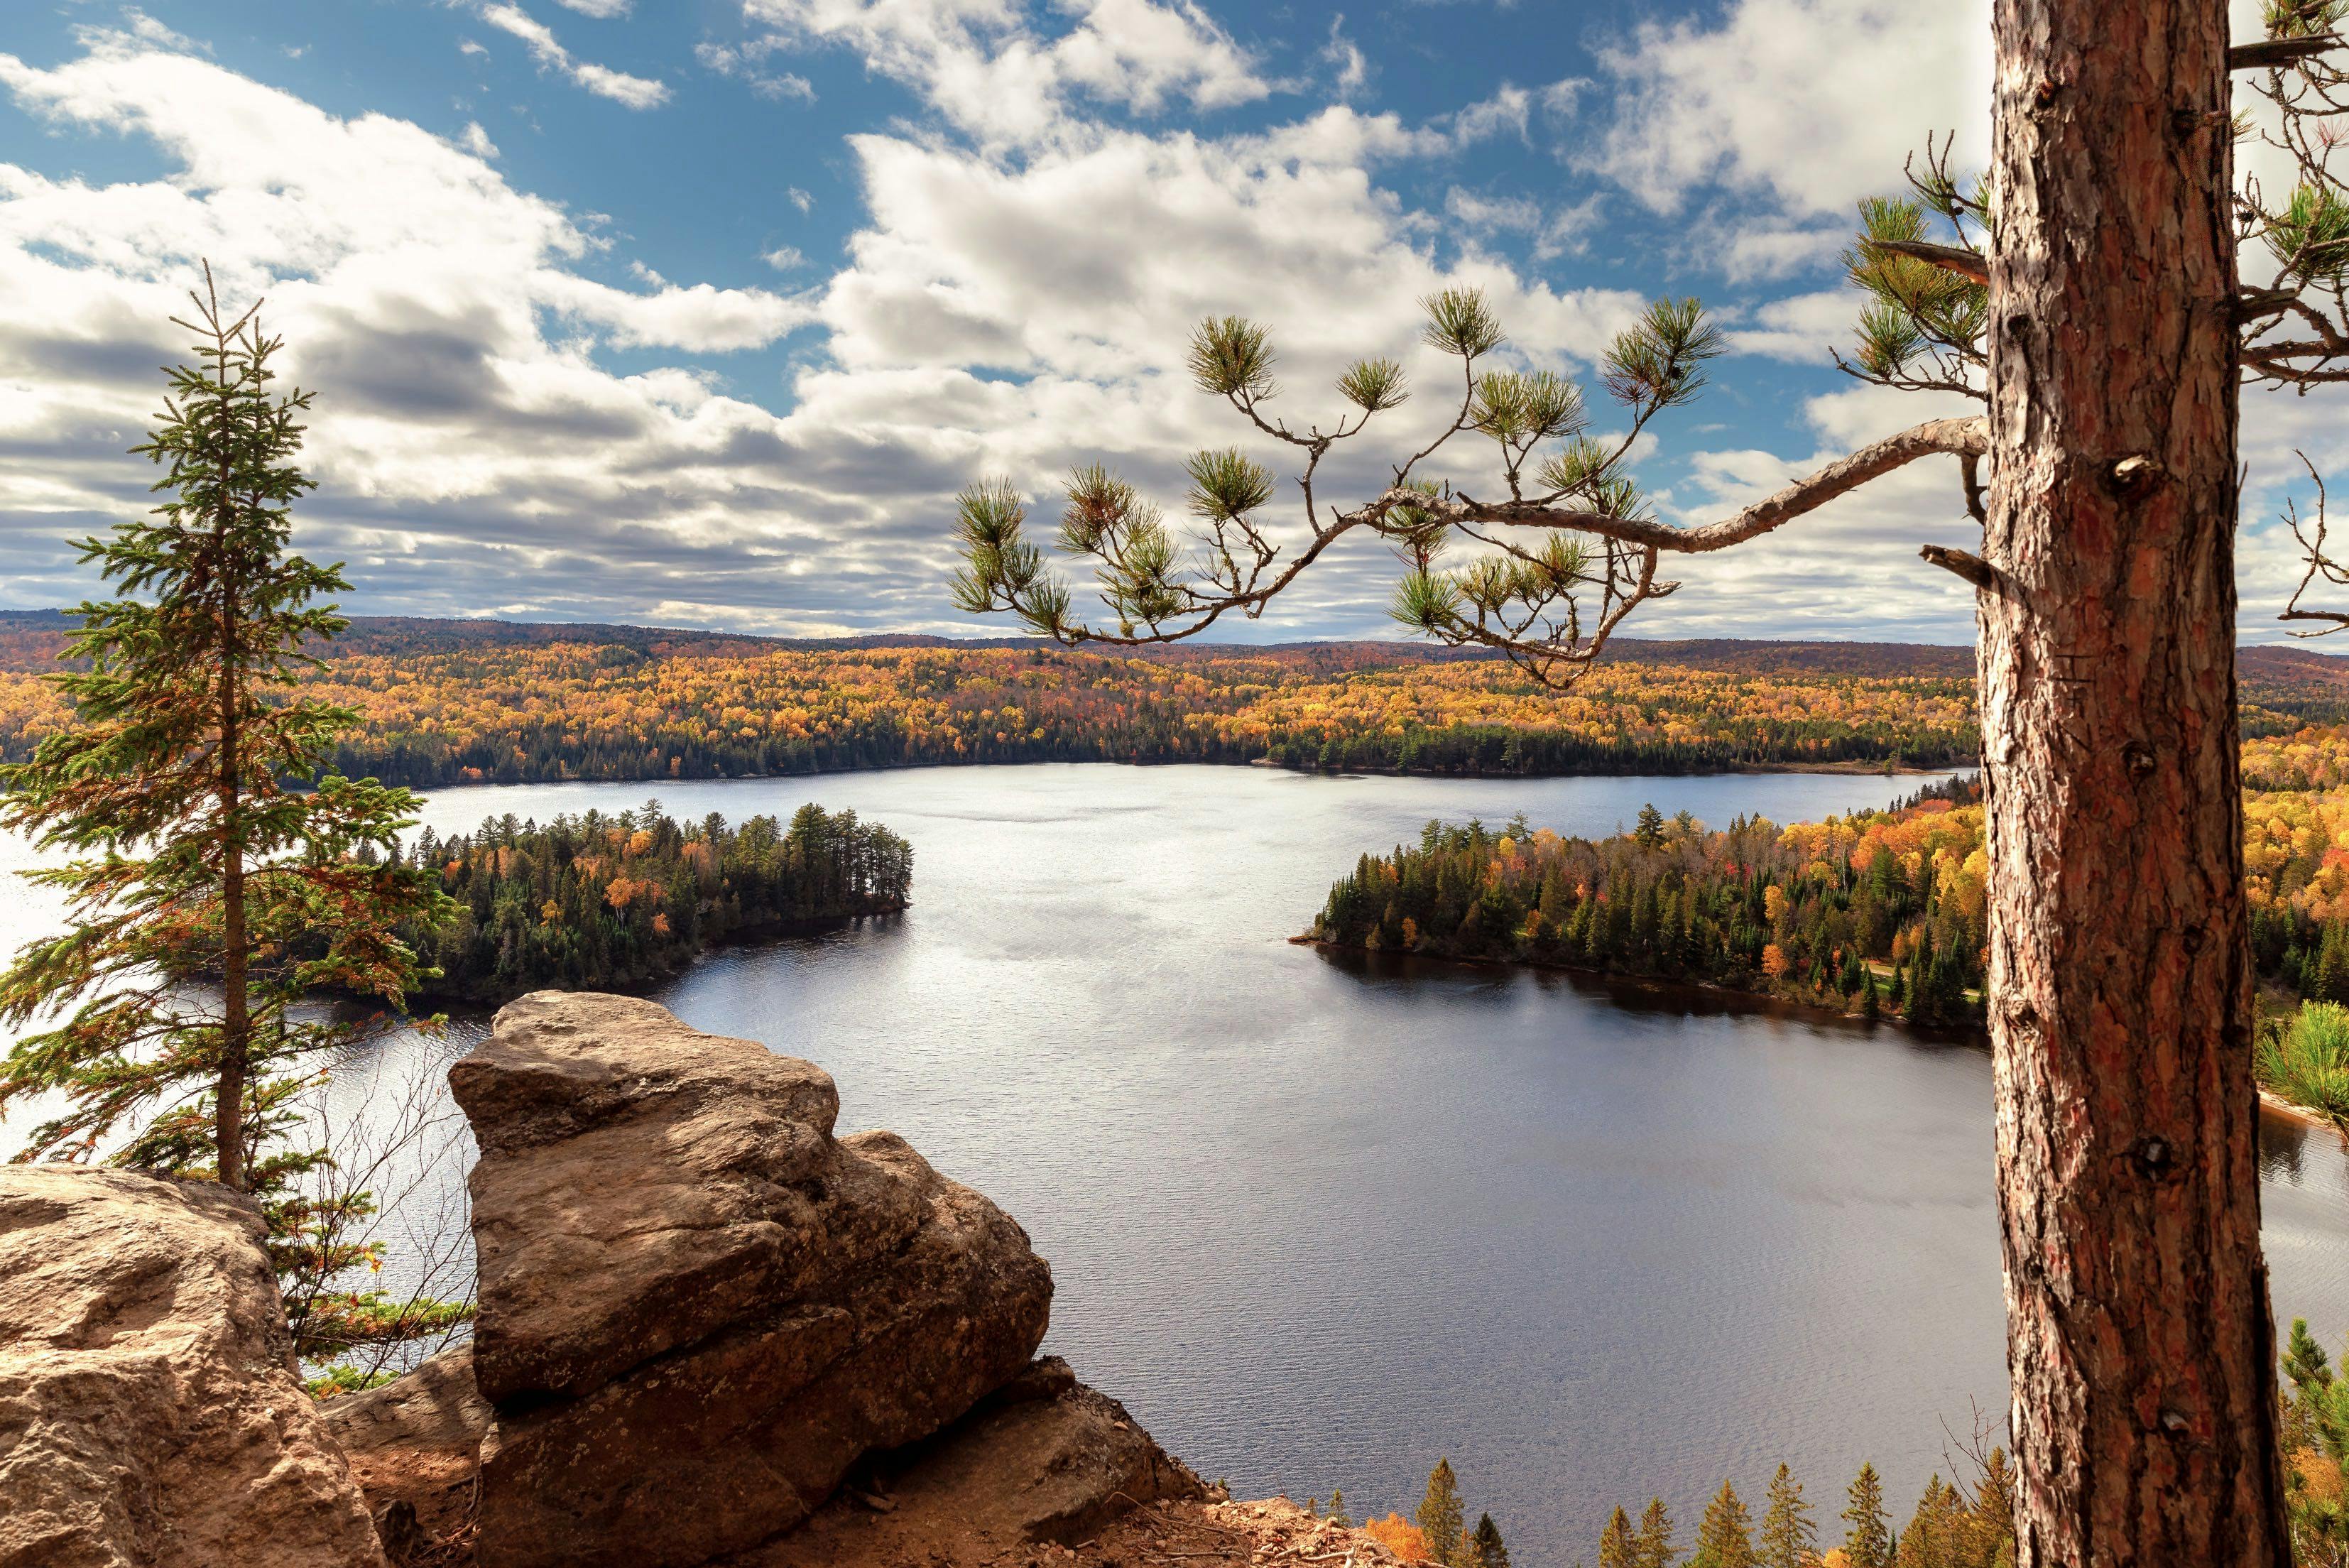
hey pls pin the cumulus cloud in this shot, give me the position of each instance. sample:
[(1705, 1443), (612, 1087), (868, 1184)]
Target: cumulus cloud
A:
[(990, 70), (477, 451), (1815, 102), (632, 92)]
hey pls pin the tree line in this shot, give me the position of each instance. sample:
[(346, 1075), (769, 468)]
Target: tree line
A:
[(1878, 912), (598, 901)]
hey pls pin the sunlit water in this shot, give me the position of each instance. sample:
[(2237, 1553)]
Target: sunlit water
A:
[(1319, 1221)]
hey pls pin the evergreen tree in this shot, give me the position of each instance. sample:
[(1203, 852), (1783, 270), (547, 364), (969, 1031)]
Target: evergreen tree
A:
[(1618, 1548), (1725, 1537), (1868, 1540), (1338, 1515), (222, 876), (2331, 982), (1655, 1548), (1485, 1549), (1871, 1001), (1789, 1538), (1441, 1518), (1651, 830)]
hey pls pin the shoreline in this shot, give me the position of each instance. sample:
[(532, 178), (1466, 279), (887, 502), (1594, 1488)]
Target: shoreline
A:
[(2274, 1104), (1852, 769), (1758, 1000)]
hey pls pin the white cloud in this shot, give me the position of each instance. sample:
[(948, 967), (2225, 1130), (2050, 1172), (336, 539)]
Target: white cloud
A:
[(984, 66), (1804, 328), (1552, 233), (742, 62), (630, 92), (1813, 103), (1343, 55), (477, 141), (992, 315), (800, 198), (603, 10), (784, 258)]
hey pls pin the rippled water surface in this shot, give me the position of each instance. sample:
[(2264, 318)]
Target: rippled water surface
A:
[(1318, 1221)]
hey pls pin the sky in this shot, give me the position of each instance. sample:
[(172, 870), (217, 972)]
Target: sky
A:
[(698, 312)]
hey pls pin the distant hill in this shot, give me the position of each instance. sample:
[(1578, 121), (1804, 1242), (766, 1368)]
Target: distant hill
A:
[(29, 638)]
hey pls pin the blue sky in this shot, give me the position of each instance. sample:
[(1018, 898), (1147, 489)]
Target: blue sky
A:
[(697, 313)]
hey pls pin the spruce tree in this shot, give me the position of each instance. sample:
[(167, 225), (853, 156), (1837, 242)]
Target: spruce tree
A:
[(1868, 1541), (1618, 1548), (1338, 1515), (219, 875), (1655, 1547), (1485, 1548), (1725, 1537), (1789, 1538), (1441, 1517)]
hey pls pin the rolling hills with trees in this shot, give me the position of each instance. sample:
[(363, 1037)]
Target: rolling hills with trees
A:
[(439, 703)]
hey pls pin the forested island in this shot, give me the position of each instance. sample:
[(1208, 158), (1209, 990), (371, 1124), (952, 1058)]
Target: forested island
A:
[(607, 902), (1878, 912)]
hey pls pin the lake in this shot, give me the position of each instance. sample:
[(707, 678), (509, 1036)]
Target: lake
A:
[(1318, 1220)]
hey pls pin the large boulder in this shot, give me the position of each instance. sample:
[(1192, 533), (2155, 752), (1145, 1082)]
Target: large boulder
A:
[(698, 1308), (150, 1413)]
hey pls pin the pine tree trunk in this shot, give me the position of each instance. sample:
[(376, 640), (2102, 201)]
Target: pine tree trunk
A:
[(2138, 1332)]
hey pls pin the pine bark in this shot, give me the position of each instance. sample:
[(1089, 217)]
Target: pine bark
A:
[(2139, 1338)]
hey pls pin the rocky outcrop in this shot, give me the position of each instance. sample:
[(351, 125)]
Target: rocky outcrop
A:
[(149, 1411), (698, 1308), (1043, 1460), (415, 1446)]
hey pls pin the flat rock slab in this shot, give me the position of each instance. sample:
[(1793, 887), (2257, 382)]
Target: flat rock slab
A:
[(415, 1446), (696, 1306), (151, 1413), (1044, 1460)]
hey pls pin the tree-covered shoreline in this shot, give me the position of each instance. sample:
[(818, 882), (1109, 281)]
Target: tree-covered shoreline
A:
[(1878, 914), (614, 902)]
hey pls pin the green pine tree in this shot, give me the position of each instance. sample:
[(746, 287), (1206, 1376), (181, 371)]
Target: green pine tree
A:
[(1441, 1518), (1789, 1538), (1868, 1541), (1485, 1549), (1338, 1515), (210, 848), (1725, 1537), (1651, 830), (1871, 1000)]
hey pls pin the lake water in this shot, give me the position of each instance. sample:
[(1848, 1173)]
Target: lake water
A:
[(1318, 1221)]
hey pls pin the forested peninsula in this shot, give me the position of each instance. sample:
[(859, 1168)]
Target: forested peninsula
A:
[(609, 902), (1880, 913)]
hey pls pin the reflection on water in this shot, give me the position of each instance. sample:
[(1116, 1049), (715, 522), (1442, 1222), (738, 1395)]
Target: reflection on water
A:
[(1319, 1219)]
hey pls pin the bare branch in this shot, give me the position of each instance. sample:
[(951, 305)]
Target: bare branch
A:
[(1954, 436), (1965, 563), (1965, 263), (2273, 54)]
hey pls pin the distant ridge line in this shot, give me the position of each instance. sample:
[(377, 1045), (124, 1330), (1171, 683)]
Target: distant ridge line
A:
[(390, 633)]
